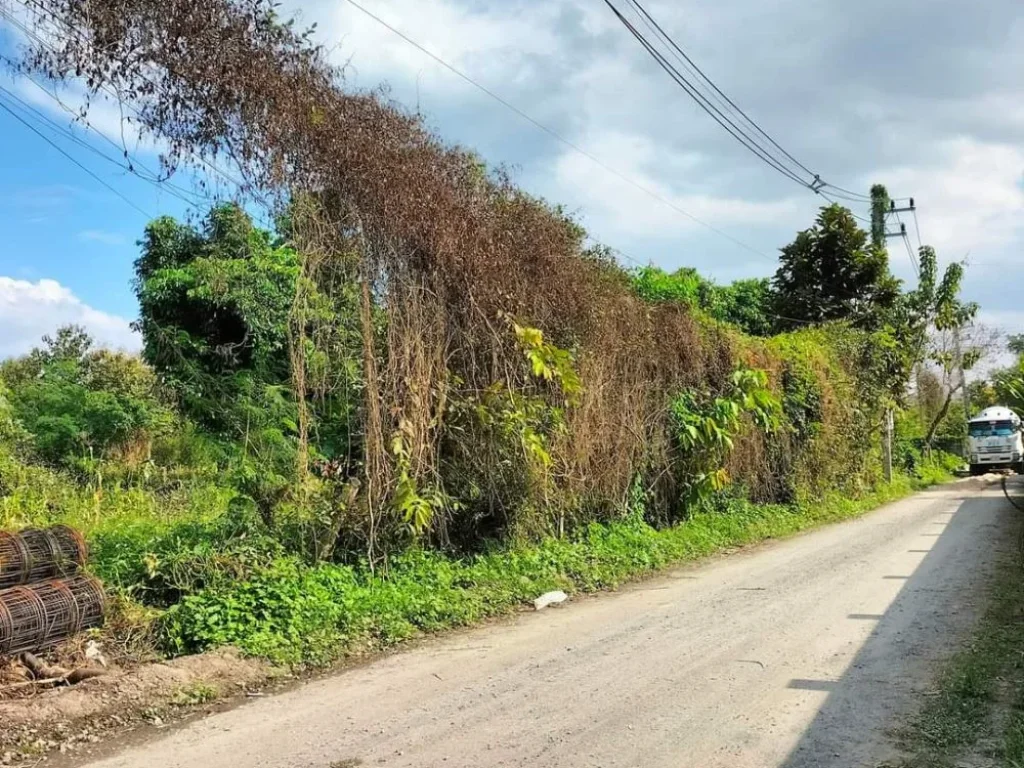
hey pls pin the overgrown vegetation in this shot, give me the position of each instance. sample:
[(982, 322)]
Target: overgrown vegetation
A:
[(423, 397), (295, 613)]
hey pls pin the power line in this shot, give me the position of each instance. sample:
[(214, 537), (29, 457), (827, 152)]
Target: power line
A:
[(555, 135), (35, 113), (737, 131), (844, 196), (917, 227), (56, 146), (906, 242), (33, 6), (704, 103), (856, 216), (133, 162), (702, 89), (651, 22), (859, 196)]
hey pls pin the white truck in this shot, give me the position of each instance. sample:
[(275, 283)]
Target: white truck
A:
[(994, 441)]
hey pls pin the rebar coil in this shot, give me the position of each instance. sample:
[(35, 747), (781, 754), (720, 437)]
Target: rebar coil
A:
[(38, 616), (40, 554)]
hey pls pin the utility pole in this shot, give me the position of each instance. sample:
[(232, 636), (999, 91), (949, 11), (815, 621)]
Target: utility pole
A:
[(958, 351), (900, 228), (880, 203), (887, 446), (880, 206)]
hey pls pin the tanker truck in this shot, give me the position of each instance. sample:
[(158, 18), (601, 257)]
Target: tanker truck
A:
[(994, 441)]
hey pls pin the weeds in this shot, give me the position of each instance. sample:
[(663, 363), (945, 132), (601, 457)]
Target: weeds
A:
[(297, 614), (194, 694)]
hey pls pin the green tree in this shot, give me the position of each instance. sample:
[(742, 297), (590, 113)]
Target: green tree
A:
[(214, 315), (1007, 384), (1015, 343), (75, 402), (952, 344), (745, 303), (831, 272), (220, 325), (684, 286), (214, 307)]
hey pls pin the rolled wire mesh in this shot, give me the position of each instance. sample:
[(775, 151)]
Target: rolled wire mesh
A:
[(41, 615), (71, 548), (90, 599), (60, 612), (22, 620), (40, 554)]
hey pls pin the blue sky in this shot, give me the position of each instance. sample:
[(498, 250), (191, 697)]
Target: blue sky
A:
[(937, 114)]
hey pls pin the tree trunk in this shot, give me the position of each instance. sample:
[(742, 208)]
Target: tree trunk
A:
[(934, 426), (346, 501)]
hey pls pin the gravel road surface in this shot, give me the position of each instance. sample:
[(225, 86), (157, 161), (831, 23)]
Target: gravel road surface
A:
[(803, 653)]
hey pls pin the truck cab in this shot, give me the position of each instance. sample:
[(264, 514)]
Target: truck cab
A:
[(994, 441)]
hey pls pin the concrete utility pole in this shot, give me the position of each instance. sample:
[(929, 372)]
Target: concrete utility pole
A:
[(881, 205), (900, 229), (887, 446), (963, 388)]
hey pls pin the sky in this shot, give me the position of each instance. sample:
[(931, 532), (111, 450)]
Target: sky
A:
[(925, 96)]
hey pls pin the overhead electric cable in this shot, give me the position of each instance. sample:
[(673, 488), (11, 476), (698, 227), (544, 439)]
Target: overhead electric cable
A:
[(554, 134), (60, 149)]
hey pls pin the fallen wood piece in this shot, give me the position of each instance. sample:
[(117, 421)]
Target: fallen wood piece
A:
[(29, 683), (39, 668), (83, 673), (48, 673)]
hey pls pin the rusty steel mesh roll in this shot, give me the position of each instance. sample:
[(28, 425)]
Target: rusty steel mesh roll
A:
[(40, 554), (38, 616), (90, 599)]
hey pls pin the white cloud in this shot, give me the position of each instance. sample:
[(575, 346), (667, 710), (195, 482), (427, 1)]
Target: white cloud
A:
[(970, 196), (102, 236), (622, 209), (29, 310), (488, 40)]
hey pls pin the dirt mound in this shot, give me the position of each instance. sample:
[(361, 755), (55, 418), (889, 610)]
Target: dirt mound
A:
[(37, 721)]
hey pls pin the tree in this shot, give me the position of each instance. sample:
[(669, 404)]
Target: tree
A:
[(745, 303), (74, 401), (831, 272), (1007, 384), (1015, 343), (214, 307), (222, 327), (950, 349), (71, 342), (684, 286)]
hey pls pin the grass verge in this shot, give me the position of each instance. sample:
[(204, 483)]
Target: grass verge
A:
[(977, 710), (296, 614)]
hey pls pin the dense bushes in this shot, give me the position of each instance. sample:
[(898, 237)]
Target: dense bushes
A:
[(422, 360), (294, 613), (75, 403)]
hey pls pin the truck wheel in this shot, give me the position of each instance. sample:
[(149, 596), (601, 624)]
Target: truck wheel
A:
[(977, 469)]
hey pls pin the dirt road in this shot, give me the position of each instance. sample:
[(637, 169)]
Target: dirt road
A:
[(798, 653)]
